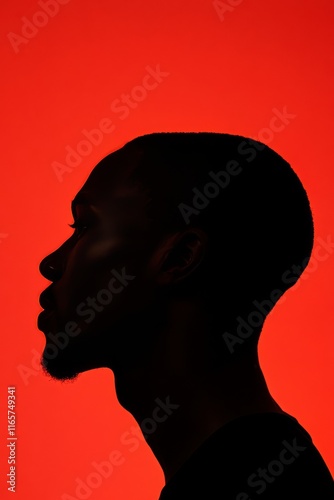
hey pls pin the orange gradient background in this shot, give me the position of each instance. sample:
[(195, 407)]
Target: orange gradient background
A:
[(224, 72)]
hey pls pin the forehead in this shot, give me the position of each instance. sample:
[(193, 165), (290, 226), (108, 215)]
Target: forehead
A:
[(114, 179), (118, 168)]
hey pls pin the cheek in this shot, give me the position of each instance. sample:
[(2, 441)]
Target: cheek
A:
[(106, 303), (97, 269)]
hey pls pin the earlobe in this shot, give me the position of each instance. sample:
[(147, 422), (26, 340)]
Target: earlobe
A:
[(184, 255)]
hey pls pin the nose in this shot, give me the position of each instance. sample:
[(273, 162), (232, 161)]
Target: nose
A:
[(50, 269)]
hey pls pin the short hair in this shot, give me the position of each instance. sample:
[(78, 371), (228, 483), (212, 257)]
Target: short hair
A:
[(255, 212)]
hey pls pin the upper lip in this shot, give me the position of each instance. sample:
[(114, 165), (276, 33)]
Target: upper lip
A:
[(46, 299)]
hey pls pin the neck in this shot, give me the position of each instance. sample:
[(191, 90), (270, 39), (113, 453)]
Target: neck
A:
[(178, 399)]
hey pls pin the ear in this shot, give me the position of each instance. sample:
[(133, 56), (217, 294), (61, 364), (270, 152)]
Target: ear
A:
[(181, 255)]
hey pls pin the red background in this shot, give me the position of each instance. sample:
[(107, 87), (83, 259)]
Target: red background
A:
[(226, 73)]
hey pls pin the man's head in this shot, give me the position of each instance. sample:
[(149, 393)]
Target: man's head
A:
[(214, 219)]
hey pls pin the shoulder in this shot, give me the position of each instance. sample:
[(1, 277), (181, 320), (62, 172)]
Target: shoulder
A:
[(268, 454)]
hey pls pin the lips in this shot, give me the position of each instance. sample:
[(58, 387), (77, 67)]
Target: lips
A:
[(42, 320), (46, 299)]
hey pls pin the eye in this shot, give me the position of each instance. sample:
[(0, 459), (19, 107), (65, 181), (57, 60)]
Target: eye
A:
[(79, 227)]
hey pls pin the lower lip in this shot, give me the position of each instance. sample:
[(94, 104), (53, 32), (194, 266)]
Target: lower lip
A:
[(43, 316)]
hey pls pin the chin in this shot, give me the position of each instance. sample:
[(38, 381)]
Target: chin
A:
[(57, 370), (65, 364), (68, 363)]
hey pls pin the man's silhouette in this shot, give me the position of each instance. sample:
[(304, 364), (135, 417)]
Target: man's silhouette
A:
[(183, 243)]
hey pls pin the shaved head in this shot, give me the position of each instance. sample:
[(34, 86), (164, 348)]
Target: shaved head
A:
[(246, 198)]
